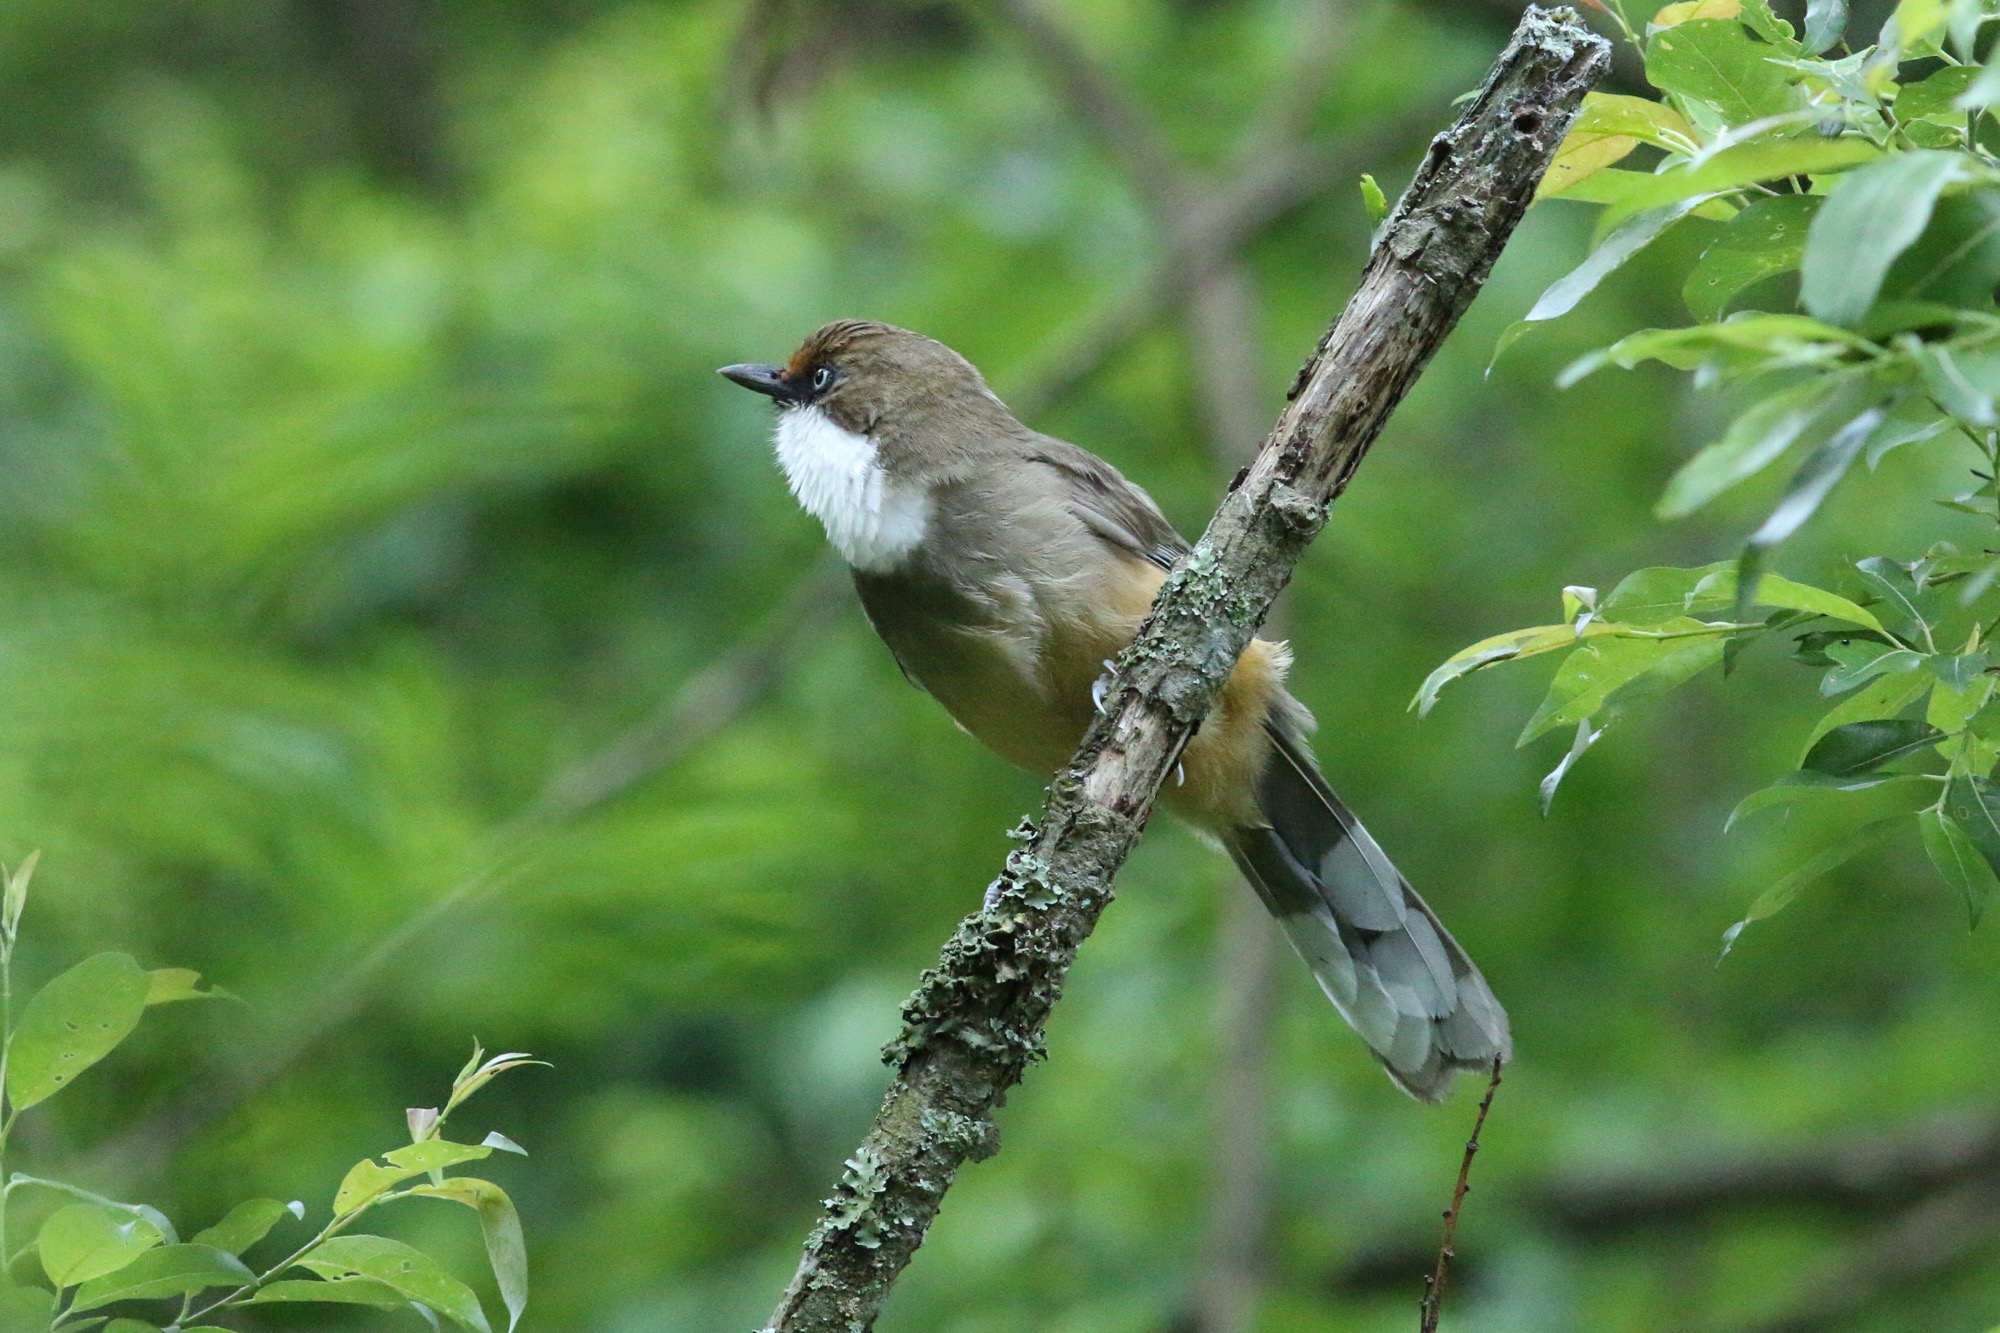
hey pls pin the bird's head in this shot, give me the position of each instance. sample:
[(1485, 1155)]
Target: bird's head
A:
[(915, 398)]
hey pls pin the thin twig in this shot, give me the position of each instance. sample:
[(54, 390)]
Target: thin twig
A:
[(1431, 1306)]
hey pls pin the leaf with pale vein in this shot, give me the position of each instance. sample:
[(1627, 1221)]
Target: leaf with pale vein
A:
[(1780, 895), (171, 1270), (1860, 747), (409, 1271), (1872, 215), (1796, 786), (1958, 860), (500, 1227)]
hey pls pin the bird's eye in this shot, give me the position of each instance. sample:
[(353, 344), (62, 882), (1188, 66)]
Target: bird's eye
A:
[(821, 378)]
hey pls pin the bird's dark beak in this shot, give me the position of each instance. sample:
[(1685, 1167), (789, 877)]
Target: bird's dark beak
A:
[(767, 380)]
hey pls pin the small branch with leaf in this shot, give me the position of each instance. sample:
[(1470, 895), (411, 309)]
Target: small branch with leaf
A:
[(105, 1259), (1850, 208)]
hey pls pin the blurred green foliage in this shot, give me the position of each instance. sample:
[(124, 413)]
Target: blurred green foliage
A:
[(366, 467)]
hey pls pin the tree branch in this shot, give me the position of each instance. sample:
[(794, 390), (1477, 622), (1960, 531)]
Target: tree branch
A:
[(976, 1021)]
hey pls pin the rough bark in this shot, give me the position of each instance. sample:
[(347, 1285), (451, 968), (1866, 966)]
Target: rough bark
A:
[(975, 1023)]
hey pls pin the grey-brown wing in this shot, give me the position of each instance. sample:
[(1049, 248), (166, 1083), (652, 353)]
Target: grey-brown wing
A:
[(1116, 511)]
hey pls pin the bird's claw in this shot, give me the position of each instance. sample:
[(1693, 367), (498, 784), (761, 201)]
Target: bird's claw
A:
[(1101, 687)]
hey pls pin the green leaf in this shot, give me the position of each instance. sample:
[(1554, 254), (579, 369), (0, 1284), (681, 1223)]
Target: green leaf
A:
[(1810, 648), (366, 1181), (1757, 439), (1911, 25), (1900, 598), (1825, 21), (1590, 676), (1962, 380), (1751, 164), (412, 1272), (1885, 697), (1373, 200), (1606, 185), (1792, 337), (1630, 238), (1810, 486), (1912, 421), (500, 1225), (87, 1240), (1503, 648), (1642, 118), (333, 1291), (1828, 80), (26, 1309), (1860, 747), (1766, 24), (1937, 97), (436, 1155), (1717, 62), (1649, 596), (1794, 786), (246, 1224), (1765, 239), (1660, 593), (1780, 895), (169, 985), (1586, 736), (72, 1023), (14, 897), (171, 1270), (140, 1210), (1957, 671), (1774, 590), (1956, 261), (1984, 92), (1952, 851), (1974, 803), (1684, 11), (369, 1180), (1872, 215), (1857, 661), (1609, 126)]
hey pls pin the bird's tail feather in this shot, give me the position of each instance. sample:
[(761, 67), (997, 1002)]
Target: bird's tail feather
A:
[(1380, 954)]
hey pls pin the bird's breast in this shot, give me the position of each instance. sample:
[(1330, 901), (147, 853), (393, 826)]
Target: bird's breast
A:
[(874, 519)]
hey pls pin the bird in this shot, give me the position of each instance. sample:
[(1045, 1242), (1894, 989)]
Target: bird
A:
[(1005, 568)]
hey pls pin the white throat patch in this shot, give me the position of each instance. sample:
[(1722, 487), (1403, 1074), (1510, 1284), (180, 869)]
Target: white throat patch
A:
[(871, 519)]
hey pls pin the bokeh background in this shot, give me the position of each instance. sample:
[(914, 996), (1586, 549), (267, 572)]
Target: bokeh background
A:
[(401, 623)]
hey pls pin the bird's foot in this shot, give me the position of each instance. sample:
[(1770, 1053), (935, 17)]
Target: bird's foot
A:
[(1101, 686)]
